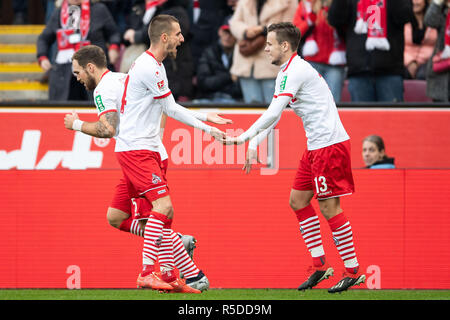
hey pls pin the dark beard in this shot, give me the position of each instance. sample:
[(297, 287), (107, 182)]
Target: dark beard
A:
[(90, 83), (172, 54), (276, 62)]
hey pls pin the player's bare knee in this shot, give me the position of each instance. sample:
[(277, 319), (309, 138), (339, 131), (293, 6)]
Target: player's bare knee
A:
[(330, 207), (299, 199), (115, 217), (295, 204), (163, 206)]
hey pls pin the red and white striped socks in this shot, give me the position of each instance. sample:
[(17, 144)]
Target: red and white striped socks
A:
[(153, 237), (183, 261), (132, 226), (343, 239), (310, 231), (171, 249)]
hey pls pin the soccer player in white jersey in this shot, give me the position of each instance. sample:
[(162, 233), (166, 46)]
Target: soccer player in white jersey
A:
[(325, 169), (146, 97), (89, 66)]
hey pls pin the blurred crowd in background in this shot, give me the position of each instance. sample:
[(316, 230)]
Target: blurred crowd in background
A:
[(371, 45)]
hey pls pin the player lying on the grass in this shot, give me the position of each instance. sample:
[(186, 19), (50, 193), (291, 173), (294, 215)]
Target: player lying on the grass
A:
[(325, 169), (125, 212)]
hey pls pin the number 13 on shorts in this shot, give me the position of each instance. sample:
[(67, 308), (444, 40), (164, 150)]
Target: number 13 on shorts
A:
[(321, 184)]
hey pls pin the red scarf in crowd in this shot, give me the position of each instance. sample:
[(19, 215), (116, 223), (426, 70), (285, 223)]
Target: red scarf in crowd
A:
[(196, 10), (371, 18), (73, 33), (310, 48)]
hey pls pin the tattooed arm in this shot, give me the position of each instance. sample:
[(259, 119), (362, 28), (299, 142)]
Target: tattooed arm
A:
[(105, 127)]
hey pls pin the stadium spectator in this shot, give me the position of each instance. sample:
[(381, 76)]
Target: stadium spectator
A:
[(374, 46), (438, 68), (325, 169), (419, 42), (180, 69), (214, 80), (323, 46), (75, 24), (250, 20), (374, 153)]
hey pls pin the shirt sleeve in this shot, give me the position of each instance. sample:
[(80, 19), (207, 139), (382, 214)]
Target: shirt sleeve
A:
[(155, 80), (269, 116), (104, 102), (255, 141), (290, 83), (180, 113)]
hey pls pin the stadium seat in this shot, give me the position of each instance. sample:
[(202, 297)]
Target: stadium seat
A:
[(414, 91)]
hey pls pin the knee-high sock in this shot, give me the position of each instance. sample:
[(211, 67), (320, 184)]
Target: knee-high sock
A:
[(183, 261), (310, 231), (153, 236), (132, 226), (343, 239)]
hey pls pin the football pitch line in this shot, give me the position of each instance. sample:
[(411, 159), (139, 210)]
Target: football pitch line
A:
[(221, 294)]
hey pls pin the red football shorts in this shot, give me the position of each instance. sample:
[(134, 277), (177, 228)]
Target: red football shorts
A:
[(144, 176), (326, 171)]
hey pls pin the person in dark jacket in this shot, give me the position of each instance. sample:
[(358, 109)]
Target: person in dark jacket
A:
[(76, 23), (207, 17), (375, 46), (438, 83), (214, 80), (180, 70)]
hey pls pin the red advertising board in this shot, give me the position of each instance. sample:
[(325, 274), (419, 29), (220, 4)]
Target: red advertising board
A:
[(57, 185)]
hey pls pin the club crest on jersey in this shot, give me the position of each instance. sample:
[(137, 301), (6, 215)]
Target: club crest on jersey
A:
[(283, 83), (99, 103), (160, 84), (155, 179)]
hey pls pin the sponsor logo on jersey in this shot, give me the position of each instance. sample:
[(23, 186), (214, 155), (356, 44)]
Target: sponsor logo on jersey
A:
[(283, 83), (99, 103), (160, 84)]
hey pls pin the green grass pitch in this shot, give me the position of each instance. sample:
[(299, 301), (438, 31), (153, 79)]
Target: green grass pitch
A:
[(221, 294)]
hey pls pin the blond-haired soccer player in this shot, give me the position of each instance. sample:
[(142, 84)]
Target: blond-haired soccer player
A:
[(324, 170), (124, 213)]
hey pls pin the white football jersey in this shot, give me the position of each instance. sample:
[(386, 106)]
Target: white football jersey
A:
[(313, 101), (108, 97), (140, 110), (108, 92)]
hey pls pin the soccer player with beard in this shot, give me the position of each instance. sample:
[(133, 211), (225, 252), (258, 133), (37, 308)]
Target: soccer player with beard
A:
[(325, 169), (125, 213)]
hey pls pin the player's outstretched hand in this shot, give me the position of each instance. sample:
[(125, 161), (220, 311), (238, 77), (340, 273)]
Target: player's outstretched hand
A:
[(252, 155), (218, 134), (217, 119), (69, 119)]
